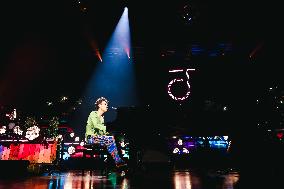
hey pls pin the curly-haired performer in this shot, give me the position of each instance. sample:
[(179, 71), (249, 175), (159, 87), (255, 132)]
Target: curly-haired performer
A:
[(96, 130)]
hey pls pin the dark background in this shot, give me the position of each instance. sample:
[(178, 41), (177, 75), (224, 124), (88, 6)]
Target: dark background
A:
[(46, 48)]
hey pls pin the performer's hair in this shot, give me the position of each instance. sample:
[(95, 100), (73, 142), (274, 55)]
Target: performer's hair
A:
[(99, 101)]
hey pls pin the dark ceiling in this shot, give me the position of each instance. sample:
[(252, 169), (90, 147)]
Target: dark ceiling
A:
[(153, 24), (59, 33)]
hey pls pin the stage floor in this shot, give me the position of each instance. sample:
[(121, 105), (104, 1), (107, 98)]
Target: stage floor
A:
[(147, 179)]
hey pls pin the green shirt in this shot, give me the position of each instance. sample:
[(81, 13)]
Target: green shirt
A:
[(95, 125)]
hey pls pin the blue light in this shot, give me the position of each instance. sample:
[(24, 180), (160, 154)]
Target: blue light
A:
[(114, 77)]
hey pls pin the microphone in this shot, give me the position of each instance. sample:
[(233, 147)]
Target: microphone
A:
[(114, 108)]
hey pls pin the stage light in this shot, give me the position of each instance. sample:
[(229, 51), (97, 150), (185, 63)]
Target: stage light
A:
[(17, 130), (115, 78), (279, 135), (71, 150), (3, 130), (49, 103), (184, 150), (32, 132), (176, 151), (180, 82), (180, 142)]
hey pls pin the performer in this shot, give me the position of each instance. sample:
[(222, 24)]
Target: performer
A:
[(96, 131)]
